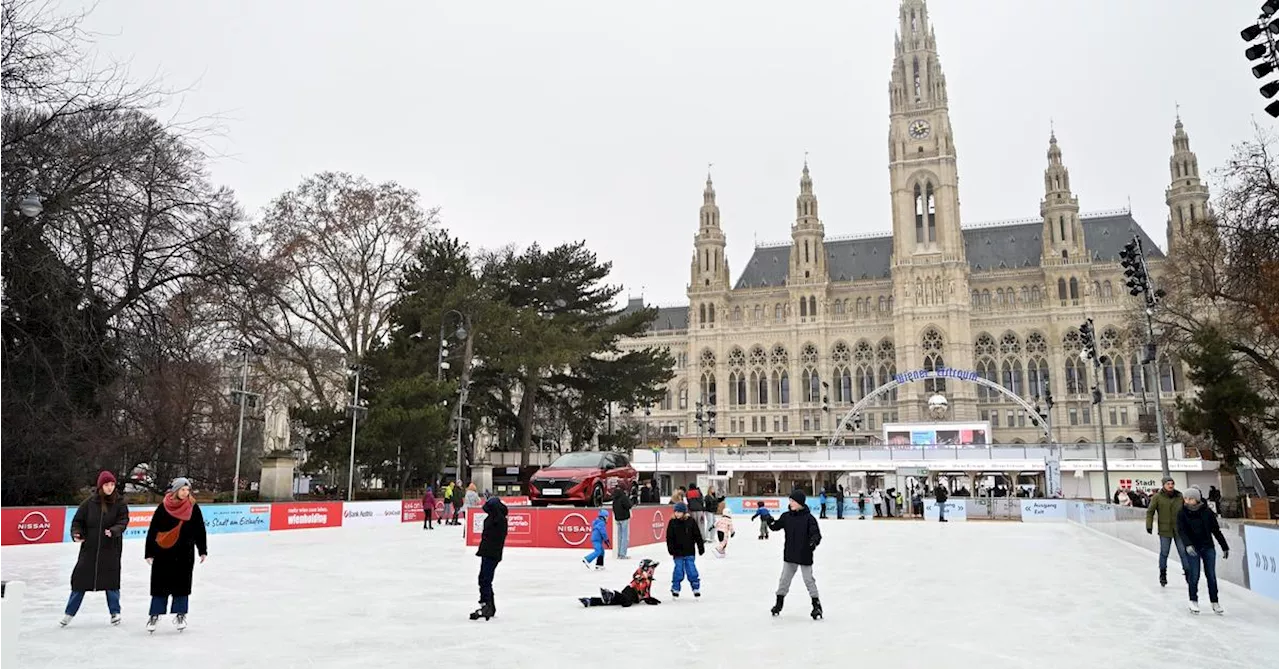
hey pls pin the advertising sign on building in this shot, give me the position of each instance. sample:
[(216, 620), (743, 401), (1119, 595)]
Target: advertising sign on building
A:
[(32, 525), (305, 515), (369, 514), (941, 435), (1263, 544)]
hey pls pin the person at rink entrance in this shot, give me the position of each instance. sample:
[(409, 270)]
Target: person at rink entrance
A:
[(697, 504), (839, 502), (862, 505), (599, 541), (448, 504), (802, 537), (428, 508), (724, 528), (684, 536), (622, 515), (940, 496), (459, 498), (1215, 501), (98, 527), (1166, 504), (1198, 527), (638, 590), (176, 535), (765, 517), (493, 538), (472, 499), (822, 503), (878, 500)]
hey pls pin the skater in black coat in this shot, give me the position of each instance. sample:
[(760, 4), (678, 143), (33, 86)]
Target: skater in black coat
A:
[(839, 502), (98, 527), (493, 538), (176, 535), (1198, 528), (803, 536)]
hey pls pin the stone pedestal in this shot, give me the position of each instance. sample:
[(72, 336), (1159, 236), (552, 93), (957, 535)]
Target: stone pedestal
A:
[(482, 476), (277, 478)]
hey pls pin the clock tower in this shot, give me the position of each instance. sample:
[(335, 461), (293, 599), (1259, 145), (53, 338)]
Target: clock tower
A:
[(930, 273)]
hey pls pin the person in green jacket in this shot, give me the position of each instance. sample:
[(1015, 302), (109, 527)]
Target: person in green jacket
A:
[(1167, 503)]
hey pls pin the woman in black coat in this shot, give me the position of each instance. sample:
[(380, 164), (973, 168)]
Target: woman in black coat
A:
[(176, 535), (98, 527)]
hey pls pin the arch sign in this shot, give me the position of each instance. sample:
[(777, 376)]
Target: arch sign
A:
[(966, 375)]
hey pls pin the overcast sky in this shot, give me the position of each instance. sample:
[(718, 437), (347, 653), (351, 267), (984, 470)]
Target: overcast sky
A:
[(553, 121)]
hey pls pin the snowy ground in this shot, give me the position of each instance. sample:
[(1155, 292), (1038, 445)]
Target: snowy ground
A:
[(901, 594)]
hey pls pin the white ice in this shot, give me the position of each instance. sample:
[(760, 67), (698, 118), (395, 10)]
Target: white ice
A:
[(897, 594)]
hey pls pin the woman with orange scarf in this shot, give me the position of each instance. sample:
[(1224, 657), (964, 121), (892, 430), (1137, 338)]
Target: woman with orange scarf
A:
[(176, 535)]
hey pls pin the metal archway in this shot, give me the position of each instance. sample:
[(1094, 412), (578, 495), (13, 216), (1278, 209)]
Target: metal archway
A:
[(942, 373)]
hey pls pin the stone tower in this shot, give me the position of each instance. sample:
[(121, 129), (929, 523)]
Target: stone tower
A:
[(1187, 196), (930, 273), (1062, 238), (709, 271), (808, 264)]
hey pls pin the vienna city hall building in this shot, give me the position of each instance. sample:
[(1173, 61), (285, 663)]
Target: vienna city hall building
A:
[(832, 318)]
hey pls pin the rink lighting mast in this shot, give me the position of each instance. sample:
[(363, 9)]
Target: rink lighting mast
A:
[(1262, 52), (1089, 354), (1138, 279)]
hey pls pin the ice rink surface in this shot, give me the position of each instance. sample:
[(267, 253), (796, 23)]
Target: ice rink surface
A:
[(897, 593)]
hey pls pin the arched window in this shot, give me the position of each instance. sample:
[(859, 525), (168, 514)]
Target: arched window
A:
[(762, 387), (665, 403), (702, 313), (1035, 294), (711, 313), (737, 389), (1075, 376), (777, 312), (844, 385), (1168, 376), (737, 314), (759, 312), (1037, 375), (783, 385), (1106, 288), (919, 200), (813, 306), (809, 380), (1011, 376), (707, 389), (986, 297), (1062, 229), (932, 209), (931, 345), (804, 307), (839, 307), (1062, 289), (880, 305), (1075, 289), (683, 394)]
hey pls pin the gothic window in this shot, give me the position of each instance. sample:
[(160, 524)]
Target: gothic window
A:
[(890, 303), (1075, 376), (1168, 375), (777, 312), (1011, 376), (804, 307), (682, 394), (737, 389), (973, 297), (708, 359), (809, 355), (843, 381), (702, 313), (1112, 361), (707, 389), (839, 307), (809, 380), (1035, 294), (866, 380), (737, 314), (888, 368), (1036, 344), (984, 350), (806, 254), (813, 306), (915, 76), (986, 297), (759, 313), (761, 381), (1037, 375), (919, 200), (1097, 289), (931, 344), (711, 313), (665, 405), (1009, 297), (1025, 295), (782, 388), (1009, 344), (1062, 289), (757, 358), (880, 304), (778, 358), (1106, 288), (1075, 289), (933, 218), (1062, 229)]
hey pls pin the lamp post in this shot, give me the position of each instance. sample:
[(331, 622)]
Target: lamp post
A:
[(355, 420), (31, 205), (243, 394)]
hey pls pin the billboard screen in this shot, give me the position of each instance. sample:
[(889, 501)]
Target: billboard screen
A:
[(938, 435)]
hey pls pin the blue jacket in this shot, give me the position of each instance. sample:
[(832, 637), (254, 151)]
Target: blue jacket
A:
[(762, 513), (600, 529)]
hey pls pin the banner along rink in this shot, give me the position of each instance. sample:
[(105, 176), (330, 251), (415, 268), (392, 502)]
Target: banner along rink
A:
[(967, 594)]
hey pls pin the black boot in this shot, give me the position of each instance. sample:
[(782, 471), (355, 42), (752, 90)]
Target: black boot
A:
[(777, 606), (816, 613), (1164, 579)]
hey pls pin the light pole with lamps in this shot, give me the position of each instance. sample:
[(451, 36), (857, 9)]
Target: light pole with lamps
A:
[(243, 394)]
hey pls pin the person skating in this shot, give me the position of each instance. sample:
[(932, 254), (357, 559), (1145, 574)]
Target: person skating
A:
[(447, 496), (493, 537), (839, 502), (1198, 527), (1215, 501), (599, 541), (697, 504), (638, 590), (176, 535), (1166, 504), (724, 528), (940, 496), (822, 503), (471, 499), (459, 498), (684, 536), (862, 505), (802, 537), (428, 508), (98, 527), (878, 501), (622, 516), (764, 516)]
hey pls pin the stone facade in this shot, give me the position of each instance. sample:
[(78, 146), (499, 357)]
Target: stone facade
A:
[(830, 319)]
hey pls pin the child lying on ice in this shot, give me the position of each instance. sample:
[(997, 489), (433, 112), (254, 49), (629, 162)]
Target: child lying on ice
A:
[(636, 592)]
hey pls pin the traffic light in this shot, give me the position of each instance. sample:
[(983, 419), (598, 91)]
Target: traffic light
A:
[(1089, 341), (1262, 51)]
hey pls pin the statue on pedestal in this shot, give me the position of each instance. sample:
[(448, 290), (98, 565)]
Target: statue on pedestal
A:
[(276, 426)]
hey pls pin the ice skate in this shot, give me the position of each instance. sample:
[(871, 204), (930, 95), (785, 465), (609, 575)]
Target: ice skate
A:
[(1193, 606), (777, 606), (816, 613), (180, 621), (66, 620), (675, 594), (719, 553), (586, 601), (1164, 578), (151, 624), (1217, 608), (697, 594), (115, 619), (486, 611), (586, 564), (598, 567)]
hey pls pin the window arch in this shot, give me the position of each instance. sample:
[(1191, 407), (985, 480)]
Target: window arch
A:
[(702, 313), (736, 361), (931, 343), (1062, 289), (682, 395), (880, 304), (1170, 381), (931, 207), (1106, 288), (919, 200), (1075, 289), (813, 306), (887, 369), (984, 350)]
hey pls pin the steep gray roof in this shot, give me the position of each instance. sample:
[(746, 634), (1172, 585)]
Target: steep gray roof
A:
[(1010, 246), (669, 318)]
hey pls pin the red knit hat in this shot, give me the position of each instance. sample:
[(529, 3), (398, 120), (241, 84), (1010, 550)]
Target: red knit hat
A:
[(105, 478)]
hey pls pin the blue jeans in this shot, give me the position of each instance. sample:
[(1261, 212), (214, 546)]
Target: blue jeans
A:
[(624, 537), (684, 567), (180, 604), (1164, 552), (77, 597), (596, 555), (1209, 557), (487, 567)]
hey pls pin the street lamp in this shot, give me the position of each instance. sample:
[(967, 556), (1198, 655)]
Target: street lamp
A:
[(243, 393), (355, 407), (31, 206)]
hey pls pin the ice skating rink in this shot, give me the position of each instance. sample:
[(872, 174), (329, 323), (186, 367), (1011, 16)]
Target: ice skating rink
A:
[(897, 593)]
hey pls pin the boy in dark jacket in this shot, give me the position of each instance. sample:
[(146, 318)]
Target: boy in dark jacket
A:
[(492, 539), (1198, 527), (803, 536), (637, 591), (622, 514), (765, 518), (683, 537)]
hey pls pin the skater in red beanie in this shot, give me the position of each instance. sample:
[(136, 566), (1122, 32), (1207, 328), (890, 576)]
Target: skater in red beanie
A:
[(98, 527)]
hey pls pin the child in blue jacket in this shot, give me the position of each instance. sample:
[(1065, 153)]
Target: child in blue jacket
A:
[(599, 541), (765, 518)]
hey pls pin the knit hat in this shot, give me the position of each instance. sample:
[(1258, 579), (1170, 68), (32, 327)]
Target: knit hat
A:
[(178, 483), (1192, 493), (1167, 479), (105, 478), (681, 507), (798, 496), (604, 513)]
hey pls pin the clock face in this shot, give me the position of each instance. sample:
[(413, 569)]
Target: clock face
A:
[(919, 129)]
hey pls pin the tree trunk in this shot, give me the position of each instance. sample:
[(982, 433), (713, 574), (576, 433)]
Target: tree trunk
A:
[(527, 401)]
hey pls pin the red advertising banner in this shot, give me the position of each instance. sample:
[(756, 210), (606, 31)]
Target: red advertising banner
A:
[(649, 524), (516, 501), (542, 527), (411, 511), (305, 515), (33, 525)]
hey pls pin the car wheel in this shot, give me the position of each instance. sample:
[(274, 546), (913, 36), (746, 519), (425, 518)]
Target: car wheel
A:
[(597, 496)]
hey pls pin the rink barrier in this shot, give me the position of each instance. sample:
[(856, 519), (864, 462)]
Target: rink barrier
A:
[(541, 527)]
